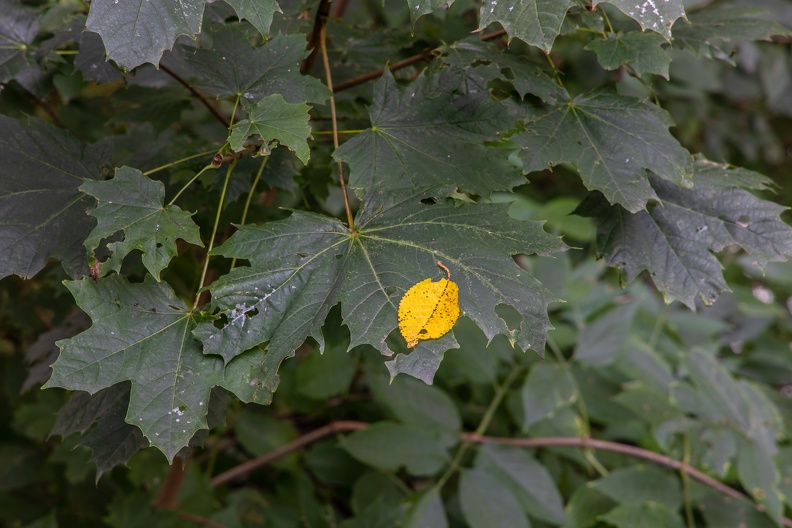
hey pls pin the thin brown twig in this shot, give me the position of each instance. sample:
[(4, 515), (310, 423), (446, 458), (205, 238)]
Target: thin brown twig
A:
[(201, 97), (605, 445), (44, 106), (250, 149), (315, 37), (550, 441), (304, 440), (329, 77), (409, 61), (339, 8), (173, 483)]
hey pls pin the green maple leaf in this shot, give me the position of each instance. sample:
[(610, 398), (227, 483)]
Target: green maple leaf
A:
[(431, 133), (612, 141), (141, 333), (18, 28), (640, 51), (112, 441), (42, 215), (257, 12), (657, 15), (138, 31), (274, 119), (91, 61), (675, 241), (232, 67), (537, 22), (707, 31), (419, 8), (424, 360), (133, 204), (304, 265), (135, 32), (487, 60)]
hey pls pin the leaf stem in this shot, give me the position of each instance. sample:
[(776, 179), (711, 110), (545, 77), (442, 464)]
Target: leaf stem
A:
[(250, 196), (230, 170), (657, 328), (178, 161), (443, 266), (329, 77), (686, 485), (184, 188), (253, 189), (645, 84), (607, 20), (233, 114), (588, 454), (489, 413), (556, 73)]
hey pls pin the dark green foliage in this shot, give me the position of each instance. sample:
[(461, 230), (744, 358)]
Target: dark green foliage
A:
[(215, 321)]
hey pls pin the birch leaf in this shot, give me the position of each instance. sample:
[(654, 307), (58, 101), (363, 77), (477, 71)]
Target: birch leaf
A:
[(429, 309)]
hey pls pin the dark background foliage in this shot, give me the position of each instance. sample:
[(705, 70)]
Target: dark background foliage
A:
[(629, 159)]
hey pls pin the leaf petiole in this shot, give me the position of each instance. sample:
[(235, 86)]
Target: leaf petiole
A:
[(184, 188), (233, 114), (231, 167), (178, 161), (329, 77), (250, 196)]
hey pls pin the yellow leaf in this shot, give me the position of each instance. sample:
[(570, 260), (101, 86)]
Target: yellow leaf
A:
[(429, 309)]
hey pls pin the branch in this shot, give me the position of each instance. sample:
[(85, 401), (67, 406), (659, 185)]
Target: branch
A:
[(475, 438), (340, 8), (201, 97), (44, 106), (489, 413), (320, 21), (604, 445), (173, 483), (304, 440), (409, 61)]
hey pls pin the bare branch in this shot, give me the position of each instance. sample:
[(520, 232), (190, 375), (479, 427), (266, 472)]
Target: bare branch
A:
[(475, 438)]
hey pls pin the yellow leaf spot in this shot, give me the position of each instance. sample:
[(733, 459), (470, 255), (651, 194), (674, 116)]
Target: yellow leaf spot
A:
[(429, 309)]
